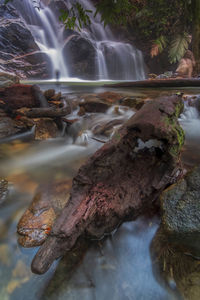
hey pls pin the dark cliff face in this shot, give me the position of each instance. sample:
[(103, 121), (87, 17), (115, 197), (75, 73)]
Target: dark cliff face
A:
[(18, 51), (20, 54)]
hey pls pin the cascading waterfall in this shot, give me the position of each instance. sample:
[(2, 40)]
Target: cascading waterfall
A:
[(114, 60)]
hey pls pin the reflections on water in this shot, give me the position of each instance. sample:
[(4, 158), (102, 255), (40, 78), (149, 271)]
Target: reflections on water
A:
[(124, 266)]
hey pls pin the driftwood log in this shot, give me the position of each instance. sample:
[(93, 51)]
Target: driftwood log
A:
[(44, 112), (158, 83), (122, 180)]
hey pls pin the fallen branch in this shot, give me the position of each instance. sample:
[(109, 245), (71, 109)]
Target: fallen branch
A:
[(158, 83), (44, 112)]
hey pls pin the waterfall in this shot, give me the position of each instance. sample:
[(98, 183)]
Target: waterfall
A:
[(93, 53)]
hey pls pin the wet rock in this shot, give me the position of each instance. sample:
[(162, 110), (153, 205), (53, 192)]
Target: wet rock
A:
[(3, 190), (16, 39), (7, 79), (181, 212), (110, 97), (81, 111), (175, 268), (80, 56), (10, 127), (132, 102), (106, 128), (35, 224), (95, 105), (45, 128), (18, 96), (18, 51), (49, 94), (57, 97)]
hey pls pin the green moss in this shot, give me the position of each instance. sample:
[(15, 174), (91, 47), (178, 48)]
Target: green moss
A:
[(179, 109), (175, 130)]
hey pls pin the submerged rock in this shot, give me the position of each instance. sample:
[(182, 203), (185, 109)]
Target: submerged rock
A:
[(48, 202), (181, 212), (3, 190), (175, 268)]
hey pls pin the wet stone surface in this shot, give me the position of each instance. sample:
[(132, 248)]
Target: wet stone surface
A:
[(3, 190), (35, 224), (181, 211)]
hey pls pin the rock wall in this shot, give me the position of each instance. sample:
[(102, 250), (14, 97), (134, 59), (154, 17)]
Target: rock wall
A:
[(18, 51)]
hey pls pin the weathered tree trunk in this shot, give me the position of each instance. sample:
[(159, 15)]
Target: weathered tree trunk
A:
[(196, 33), (121, 180), (43, 112), (158, 83)]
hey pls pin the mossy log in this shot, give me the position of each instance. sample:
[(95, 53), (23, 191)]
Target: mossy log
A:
[(159, 83), (121, 181)]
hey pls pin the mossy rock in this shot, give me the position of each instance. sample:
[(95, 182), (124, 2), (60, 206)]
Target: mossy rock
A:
[(181, 211)]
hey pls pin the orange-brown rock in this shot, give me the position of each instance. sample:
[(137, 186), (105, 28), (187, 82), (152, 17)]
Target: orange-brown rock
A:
[(36, 223), (45, 128), (110, 97)]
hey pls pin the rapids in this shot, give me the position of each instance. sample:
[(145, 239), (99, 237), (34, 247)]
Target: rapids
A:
[(121, 267)]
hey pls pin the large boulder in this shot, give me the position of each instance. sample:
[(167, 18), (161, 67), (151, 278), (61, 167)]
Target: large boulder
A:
[(20, 95), (80, 57), (19, 52), (181, 212)]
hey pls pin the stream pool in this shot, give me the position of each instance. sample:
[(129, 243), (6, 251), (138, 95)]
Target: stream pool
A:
[(122, 266)]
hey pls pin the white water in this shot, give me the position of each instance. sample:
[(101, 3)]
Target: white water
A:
[(190, 122), (114, 60)]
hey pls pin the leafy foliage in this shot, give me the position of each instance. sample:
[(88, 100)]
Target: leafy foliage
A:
[(178, 47), (114, 11), (77, 16), (164, 22), (158, 45)]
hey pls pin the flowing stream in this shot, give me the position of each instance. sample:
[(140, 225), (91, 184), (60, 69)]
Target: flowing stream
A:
[(114, 59), (121, 267)]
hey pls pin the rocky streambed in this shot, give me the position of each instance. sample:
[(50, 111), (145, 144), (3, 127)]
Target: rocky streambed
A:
[(37, 167)]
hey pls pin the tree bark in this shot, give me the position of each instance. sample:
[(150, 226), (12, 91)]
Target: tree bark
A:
[(196, 33), (43, 112), (121, 181)]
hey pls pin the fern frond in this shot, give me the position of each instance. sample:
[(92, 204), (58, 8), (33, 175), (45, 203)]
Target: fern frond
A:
[(178, 47), (158, 46)]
